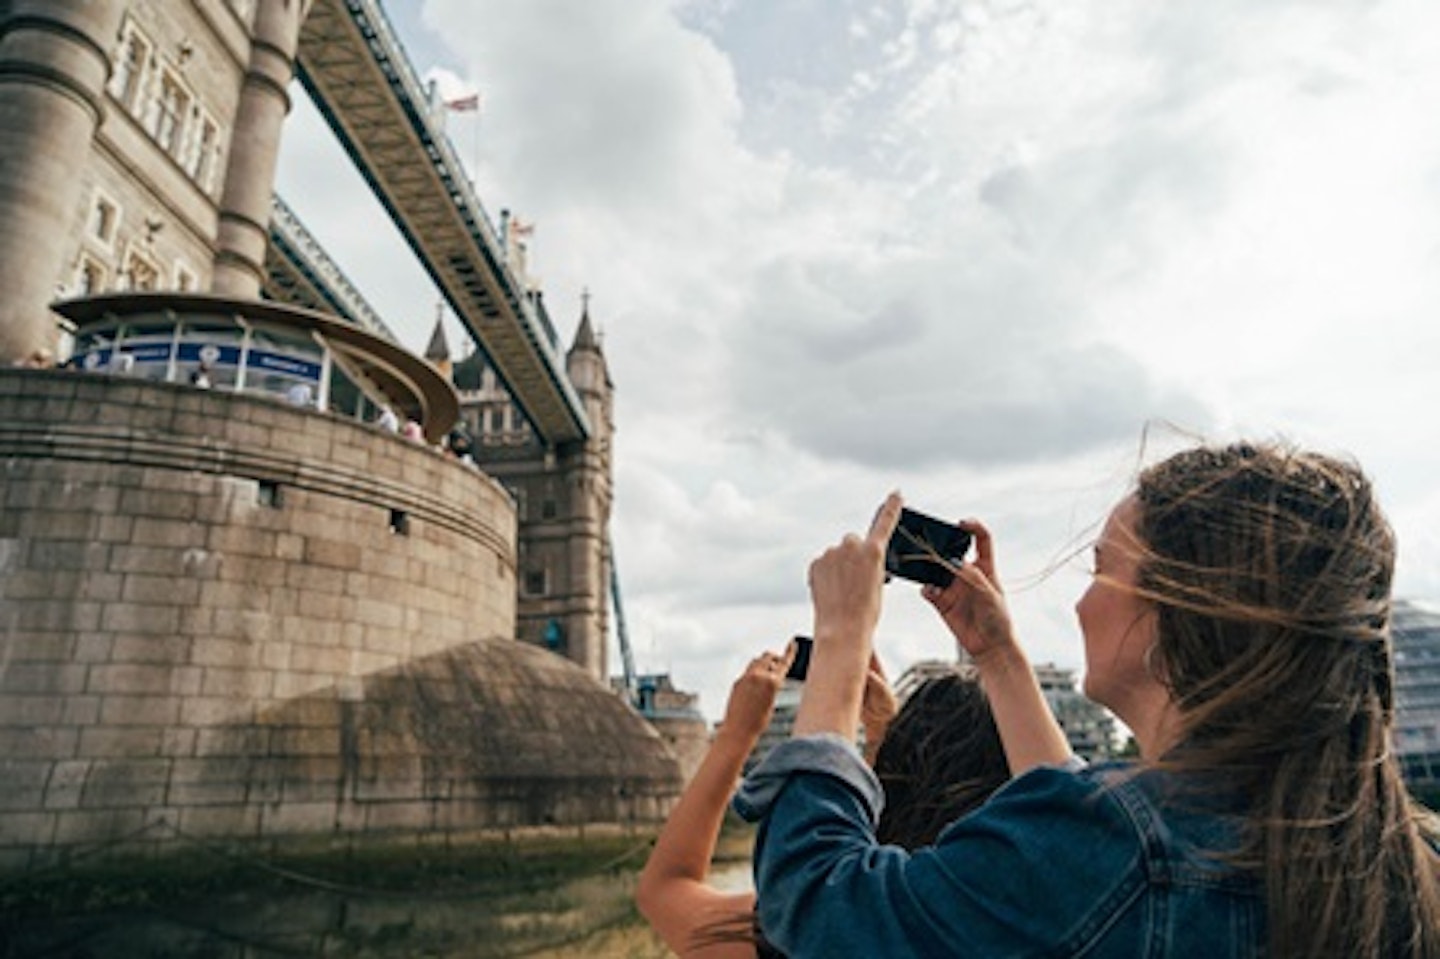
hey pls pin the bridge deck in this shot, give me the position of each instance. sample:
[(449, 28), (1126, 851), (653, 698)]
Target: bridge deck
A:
[(356, 71), (298, 271)]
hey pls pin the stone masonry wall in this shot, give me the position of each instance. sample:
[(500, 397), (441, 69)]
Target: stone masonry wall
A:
[(176, 564)]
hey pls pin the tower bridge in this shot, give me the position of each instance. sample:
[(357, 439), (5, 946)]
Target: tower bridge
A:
[(233, 602), (300, 272), (356, 71)]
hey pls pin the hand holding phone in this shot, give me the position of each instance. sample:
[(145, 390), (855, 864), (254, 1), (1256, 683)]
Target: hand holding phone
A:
[(924, 549), (800, 665)]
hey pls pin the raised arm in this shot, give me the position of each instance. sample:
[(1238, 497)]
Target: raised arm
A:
[(845, 584), (973, 606), (672, 893)]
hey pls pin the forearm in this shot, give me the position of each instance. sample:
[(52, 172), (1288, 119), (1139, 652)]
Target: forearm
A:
[(1028, 728), (687, 842), (836, 684)]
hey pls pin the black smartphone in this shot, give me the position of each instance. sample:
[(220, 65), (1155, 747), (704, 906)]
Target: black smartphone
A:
[(924, 549), (800, 665)]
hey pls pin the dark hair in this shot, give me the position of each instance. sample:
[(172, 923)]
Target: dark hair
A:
[(1270, 569), (940, 758)]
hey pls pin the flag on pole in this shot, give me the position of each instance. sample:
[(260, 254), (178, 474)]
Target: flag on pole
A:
[(466, 104)]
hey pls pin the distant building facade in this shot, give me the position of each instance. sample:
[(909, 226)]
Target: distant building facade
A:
[(1088, 726), (1417, 692)]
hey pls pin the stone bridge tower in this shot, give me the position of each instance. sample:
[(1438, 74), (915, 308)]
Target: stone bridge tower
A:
[(562, 498)]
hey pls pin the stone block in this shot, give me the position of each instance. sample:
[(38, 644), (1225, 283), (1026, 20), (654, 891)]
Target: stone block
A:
[(86, 826), (137, 782), (39, 584), (363, 663), (388, 642), (27, 828), (243, 540), (147, 618), (154, 650), (40, 648), (205, 792), (311, 817), (38, 743), (253, 572), (114, 528), (315, 579), (139, 710), (304, 741), (42, 678), (326, 660), (93, 647), (227, 599), (239, 654), (101, 587), (160, 514), (236, 683), (21, 710), (196, 620), (97, 742), (377, 612), (213, 711), (72, 526), (80, 711), (141, 588), (53, 615), (289, 546), (291, 683), (237, 820), (275, 656), (334, 553), (382, 816), (384, 563), (129, 679), (179, 742), (238, 741), (246, 435), (171, 533), (130, 558), (22, 783)]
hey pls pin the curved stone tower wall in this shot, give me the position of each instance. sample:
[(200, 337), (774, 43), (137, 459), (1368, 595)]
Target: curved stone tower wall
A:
[(220, 617)]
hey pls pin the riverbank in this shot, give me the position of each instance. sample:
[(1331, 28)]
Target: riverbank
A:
[(560, 897)]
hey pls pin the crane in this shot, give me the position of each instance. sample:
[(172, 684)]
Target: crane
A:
[(627, 657)]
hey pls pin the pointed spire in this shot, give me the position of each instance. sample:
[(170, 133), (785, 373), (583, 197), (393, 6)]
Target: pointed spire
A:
[(439, 349), (585, 335)]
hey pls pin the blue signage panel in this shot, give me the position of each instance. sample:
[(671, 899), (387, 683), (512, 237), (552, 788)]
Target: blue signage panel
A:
[(280, 363), (212, 353)]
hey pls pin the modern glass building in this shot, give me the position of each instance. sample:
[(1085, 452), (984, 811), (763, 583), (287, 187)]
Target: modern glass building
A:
[(1417, 693)]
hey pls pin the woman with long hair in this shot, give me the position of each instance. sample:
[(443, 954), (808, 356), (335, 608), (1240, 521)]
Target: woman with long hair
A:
[(1239, 623), (938, 758)]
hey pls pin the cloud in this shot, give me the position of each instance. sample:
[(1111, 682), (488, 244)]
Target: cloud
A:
[(967, 248)]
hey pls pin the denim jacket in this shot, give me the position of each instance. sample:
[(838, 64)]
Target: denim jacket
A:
[(1059, 862)]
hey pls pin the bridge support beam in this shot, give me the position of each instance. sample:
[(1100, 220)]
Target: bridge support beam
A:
[(53, 70), (254, 148)]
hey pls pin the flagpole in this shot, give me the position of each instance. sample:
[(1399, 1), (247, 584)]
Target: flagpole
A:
[(475, 151)]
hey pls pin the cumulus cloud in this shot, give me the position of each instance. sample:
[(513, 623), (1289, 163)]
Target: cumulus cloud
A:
[(968, 248)]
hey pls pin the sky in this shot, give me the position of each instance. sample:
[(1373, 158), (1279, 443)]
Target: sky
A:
[(995, 254)]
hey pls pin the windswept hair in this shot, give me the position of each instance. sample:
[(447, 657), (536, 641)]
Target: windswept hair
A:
[(1271, 571), (940, 758)]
